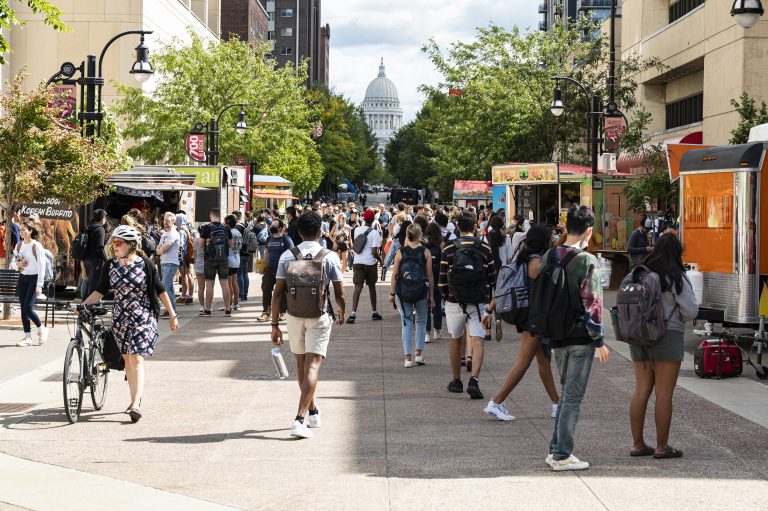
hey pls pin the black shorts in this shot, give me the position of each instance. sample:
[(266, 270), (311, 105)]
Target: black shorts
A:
[(214, 268), (233, 271)]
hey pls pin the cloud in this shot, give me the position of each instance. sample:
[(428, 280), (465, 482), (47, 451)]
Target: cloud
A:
[(363, 31)]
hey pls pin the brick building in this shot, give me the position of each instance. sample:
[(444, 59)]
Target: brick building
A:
[(247, 19)]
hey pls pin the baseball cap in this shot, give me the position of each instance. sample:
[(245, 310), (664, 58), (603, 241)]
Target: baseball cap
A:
[(369, 215)]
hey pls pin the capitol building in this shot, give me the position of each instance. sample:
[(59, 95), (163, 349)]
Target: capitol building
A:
[(382, 109)]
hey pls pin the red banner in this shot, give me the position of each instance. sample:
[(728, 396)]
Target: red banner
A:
[(196, 146), (615, 127), (65, 101)]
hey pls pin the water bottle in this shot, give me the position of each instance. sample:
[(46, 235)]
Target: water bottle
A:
[(277, 358)]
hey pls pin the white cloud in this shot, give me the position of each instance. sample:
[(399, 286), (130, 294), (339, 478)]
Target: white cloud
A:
[(363, 31)]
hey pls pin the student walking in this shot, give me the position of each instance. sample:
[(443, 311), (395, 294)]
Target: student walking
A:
[(310, 315), (366, 242), (29, 256), (234, 260), (412, 290), (138, 294), (575, 352), (535, 246), (435, 315), (657, 367), (467, 275), (199, 266), (217, 242), (277, 244)]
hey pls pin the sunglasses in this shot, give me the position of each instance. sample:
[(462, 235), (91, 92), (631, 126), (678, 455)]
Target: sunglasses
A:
[(117, 242)]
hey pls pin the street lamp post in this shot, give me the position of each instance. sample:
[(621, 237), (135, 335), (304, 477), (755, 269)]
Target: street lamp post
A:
[(212, 133), (91, 82), (747, 12)]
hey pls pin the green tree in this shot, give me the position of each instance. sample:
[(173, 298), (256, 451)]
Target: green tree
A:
[(409, 158), (8, 19), (749, 117), (197, 81)]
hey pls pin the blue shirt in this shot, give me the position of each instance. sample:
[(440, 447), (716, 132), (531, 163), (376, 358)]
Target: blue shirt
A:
[(276, 247)]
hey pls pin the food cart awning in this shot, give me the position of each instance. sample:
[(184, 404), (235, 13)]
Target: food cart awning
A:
[(472, 190), (635, 163), (274, 195), (265, 180), (737, 158), (157, 187)]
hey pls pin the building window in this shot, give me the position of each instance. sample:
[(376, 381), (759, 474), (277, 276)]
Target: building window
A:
[(286, 32), (271, 16), (286, 50), (685, 111), (286, 13), (271, 35), (682, 7)]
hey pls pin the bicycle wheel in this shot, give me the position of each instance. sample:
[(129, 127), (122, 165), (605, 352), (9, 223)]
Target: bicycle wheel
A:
[(73, 381), (99, 376)]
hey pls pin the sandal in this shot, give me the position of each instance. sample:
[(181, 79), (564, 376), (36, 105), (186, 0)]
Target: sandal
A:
[(645, 451), (669, 452)]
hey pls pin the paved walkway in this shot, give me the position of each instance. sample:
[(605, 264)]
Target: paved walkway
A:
[(216, 430)]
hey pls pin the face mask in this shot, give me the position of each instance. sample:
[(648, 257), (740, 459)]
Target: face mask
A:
[(274, 230)]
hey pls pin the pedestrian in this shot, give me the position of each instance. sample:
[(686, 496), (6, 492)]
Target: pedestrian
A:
[(658, 366), (241, 278), (435, 315), (536, 244), (29, 258), (217, 241), (638, 245), (95, 257), (366, 243), (575, 353), (412, 292), (138, 294), (277, 244), (308, 336), (199, 266), (292, 221), (186, 255), (261, 230), (341, 233), (234, 260), (467, 276), (394, 233), (168, 250)]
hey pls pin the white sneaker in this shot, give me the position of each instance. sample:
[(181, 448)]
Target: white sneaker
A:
[(25, 342), (549, 460), (435, 334), (499, 411), (41, 297), (314, 420), (554, 410), (427, 339), (419, 359), (300, 430), (570, 463), (42, 335), (408, 364)]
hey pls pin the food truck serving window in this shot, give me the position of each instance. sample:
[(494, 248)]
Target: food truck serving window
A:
[(708, 220)]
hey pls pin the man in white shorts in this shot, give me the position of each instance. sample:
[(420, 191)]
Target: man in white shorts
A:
[(308, 337)]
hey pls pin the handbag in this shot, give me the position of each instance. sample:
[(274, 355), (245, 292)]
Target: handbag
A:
[(111, 351), (259, 265)]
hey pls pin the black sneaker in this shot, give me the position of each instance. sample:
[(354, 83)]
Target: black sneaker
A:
[(375, 316), (473, 389), (205, 312), (351, 319), (228, 313), (456, 386), (487, 337)]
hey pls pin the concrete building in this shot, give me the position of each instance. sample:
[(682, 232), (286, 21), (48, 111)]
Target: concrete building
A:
[(382, 108), (710, 61), (294, 28), (41, 50), (247, 19), (565, 10)]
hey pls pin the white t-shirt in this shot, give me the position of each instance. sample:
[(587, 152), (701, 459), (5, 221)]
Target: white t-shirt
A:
[(172, 255), (33, 265), (373, 241)]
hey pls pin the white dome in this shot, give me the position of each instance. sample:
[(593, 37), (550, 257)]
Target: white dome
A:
[(382, 109), (382, 88)]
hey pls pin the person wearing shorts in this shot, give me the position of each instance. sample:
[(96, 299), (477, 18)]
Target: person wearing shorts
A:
[(364, 268), (212, 268), (308, 337)]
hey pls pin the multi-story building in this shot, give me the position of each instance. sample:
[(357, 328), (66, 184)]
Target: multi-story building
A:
[(247, 19), (565, 10), (294, 28), (382, 109)]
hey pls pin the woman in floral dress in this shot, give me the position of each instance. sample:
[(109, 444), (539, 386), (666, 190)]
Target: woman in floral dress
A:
[(138, 293)]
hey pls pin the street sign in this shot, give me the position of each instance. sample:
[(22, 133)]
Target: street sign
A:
[(318, 131), (196, 146)]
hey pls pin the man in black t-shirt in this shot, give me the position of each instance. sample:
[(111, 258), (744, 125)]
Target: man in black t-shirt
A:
[(212, 267)]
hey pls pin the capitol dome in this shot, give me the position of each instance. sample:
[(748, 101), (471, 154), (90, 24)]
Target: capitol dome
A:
[(382, 108)]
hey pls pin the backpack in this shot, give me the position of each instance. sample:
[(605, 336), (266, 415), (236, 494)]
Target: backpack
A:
[(304, 280), (358, 244), (183, 244), (49, 273), (217, 248), (250, 240), (411, 285), (148, 244), (638, 318), (262, 236), (554, 308), (512, 294), (466, 276), (80, 246)]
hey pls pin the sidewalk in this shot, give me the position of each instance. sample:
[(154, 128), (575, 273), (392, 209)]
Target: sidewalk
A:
[(216, 429)]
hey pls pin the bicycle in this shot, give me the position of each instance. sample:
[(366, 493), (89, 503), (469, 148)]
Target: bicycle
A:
[(84, 365)]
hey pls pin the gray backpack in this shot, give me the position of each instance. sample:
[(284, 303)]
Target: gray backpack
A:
[(513, 294), (638, 318), (304, 282), (358, 244)]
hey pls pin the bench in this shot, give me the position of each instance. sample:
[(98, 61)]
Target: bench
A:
[(9, 282)]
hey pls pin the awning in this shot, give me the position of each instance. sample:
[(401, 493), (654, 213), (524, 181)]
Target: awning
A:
[(635, 163), (157, 187), (274, 196)]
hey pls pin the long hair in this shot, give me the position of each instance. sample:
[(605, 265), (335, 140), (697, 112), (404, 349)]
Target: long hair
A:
[(667, 261), (434, 234), (496, 238), (537, 242), (403, 228)]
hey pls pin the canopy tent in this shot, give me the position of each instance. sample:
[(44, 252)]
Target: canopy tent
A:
[(472, 190)]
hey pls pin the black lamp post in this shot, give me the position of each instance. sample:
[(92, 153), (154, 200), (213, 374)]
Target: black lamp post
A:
[(91, 82), (747, 12)]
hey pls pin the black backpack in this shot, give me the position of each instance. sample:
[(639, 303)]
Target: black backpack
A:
[(411, 285), (466, 276), (554, 308), (218, 245), (80, 246)]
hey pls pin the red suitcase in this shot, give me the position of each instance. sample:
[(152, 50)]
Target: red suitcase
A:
[(717, 358)]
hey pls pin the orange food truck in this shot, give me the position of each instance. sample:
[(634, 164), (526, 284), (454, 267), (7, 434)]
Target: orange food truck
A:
[(723, 228)]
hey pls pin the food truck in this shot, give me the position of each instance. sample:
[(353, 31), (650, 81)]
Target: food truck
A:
[(271, 192), (724, 217), (543, 192), (472, 193)]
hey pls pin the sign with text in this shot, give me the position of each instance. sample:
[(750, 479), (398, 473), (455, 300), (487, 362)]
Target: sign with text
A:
[(196, 146), (48, 208), (525, 174), (207, 177), (615, 127)]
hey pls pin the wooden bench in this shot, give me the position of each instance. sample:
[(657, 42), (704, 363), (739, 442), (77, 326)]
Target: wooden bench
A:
[(9, 283)]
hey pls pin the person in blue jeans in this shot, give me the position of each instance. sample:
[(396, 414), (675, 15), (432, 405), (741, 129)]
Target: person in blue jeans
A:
[(435, 316), (168, 250), (413, 248)]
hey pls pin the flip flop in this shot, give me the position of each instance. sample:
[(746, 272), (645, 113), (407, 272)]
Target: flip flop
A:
[(645, 451), (669, 452)]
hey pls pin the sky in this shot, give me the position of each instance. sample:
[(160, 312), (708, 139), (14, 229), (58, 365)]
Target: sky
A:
[(363, 31)]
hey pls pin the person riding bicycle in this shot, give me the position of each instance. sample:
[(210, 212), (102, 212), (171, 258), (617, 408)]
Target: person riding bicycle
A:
[(138, 293)]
